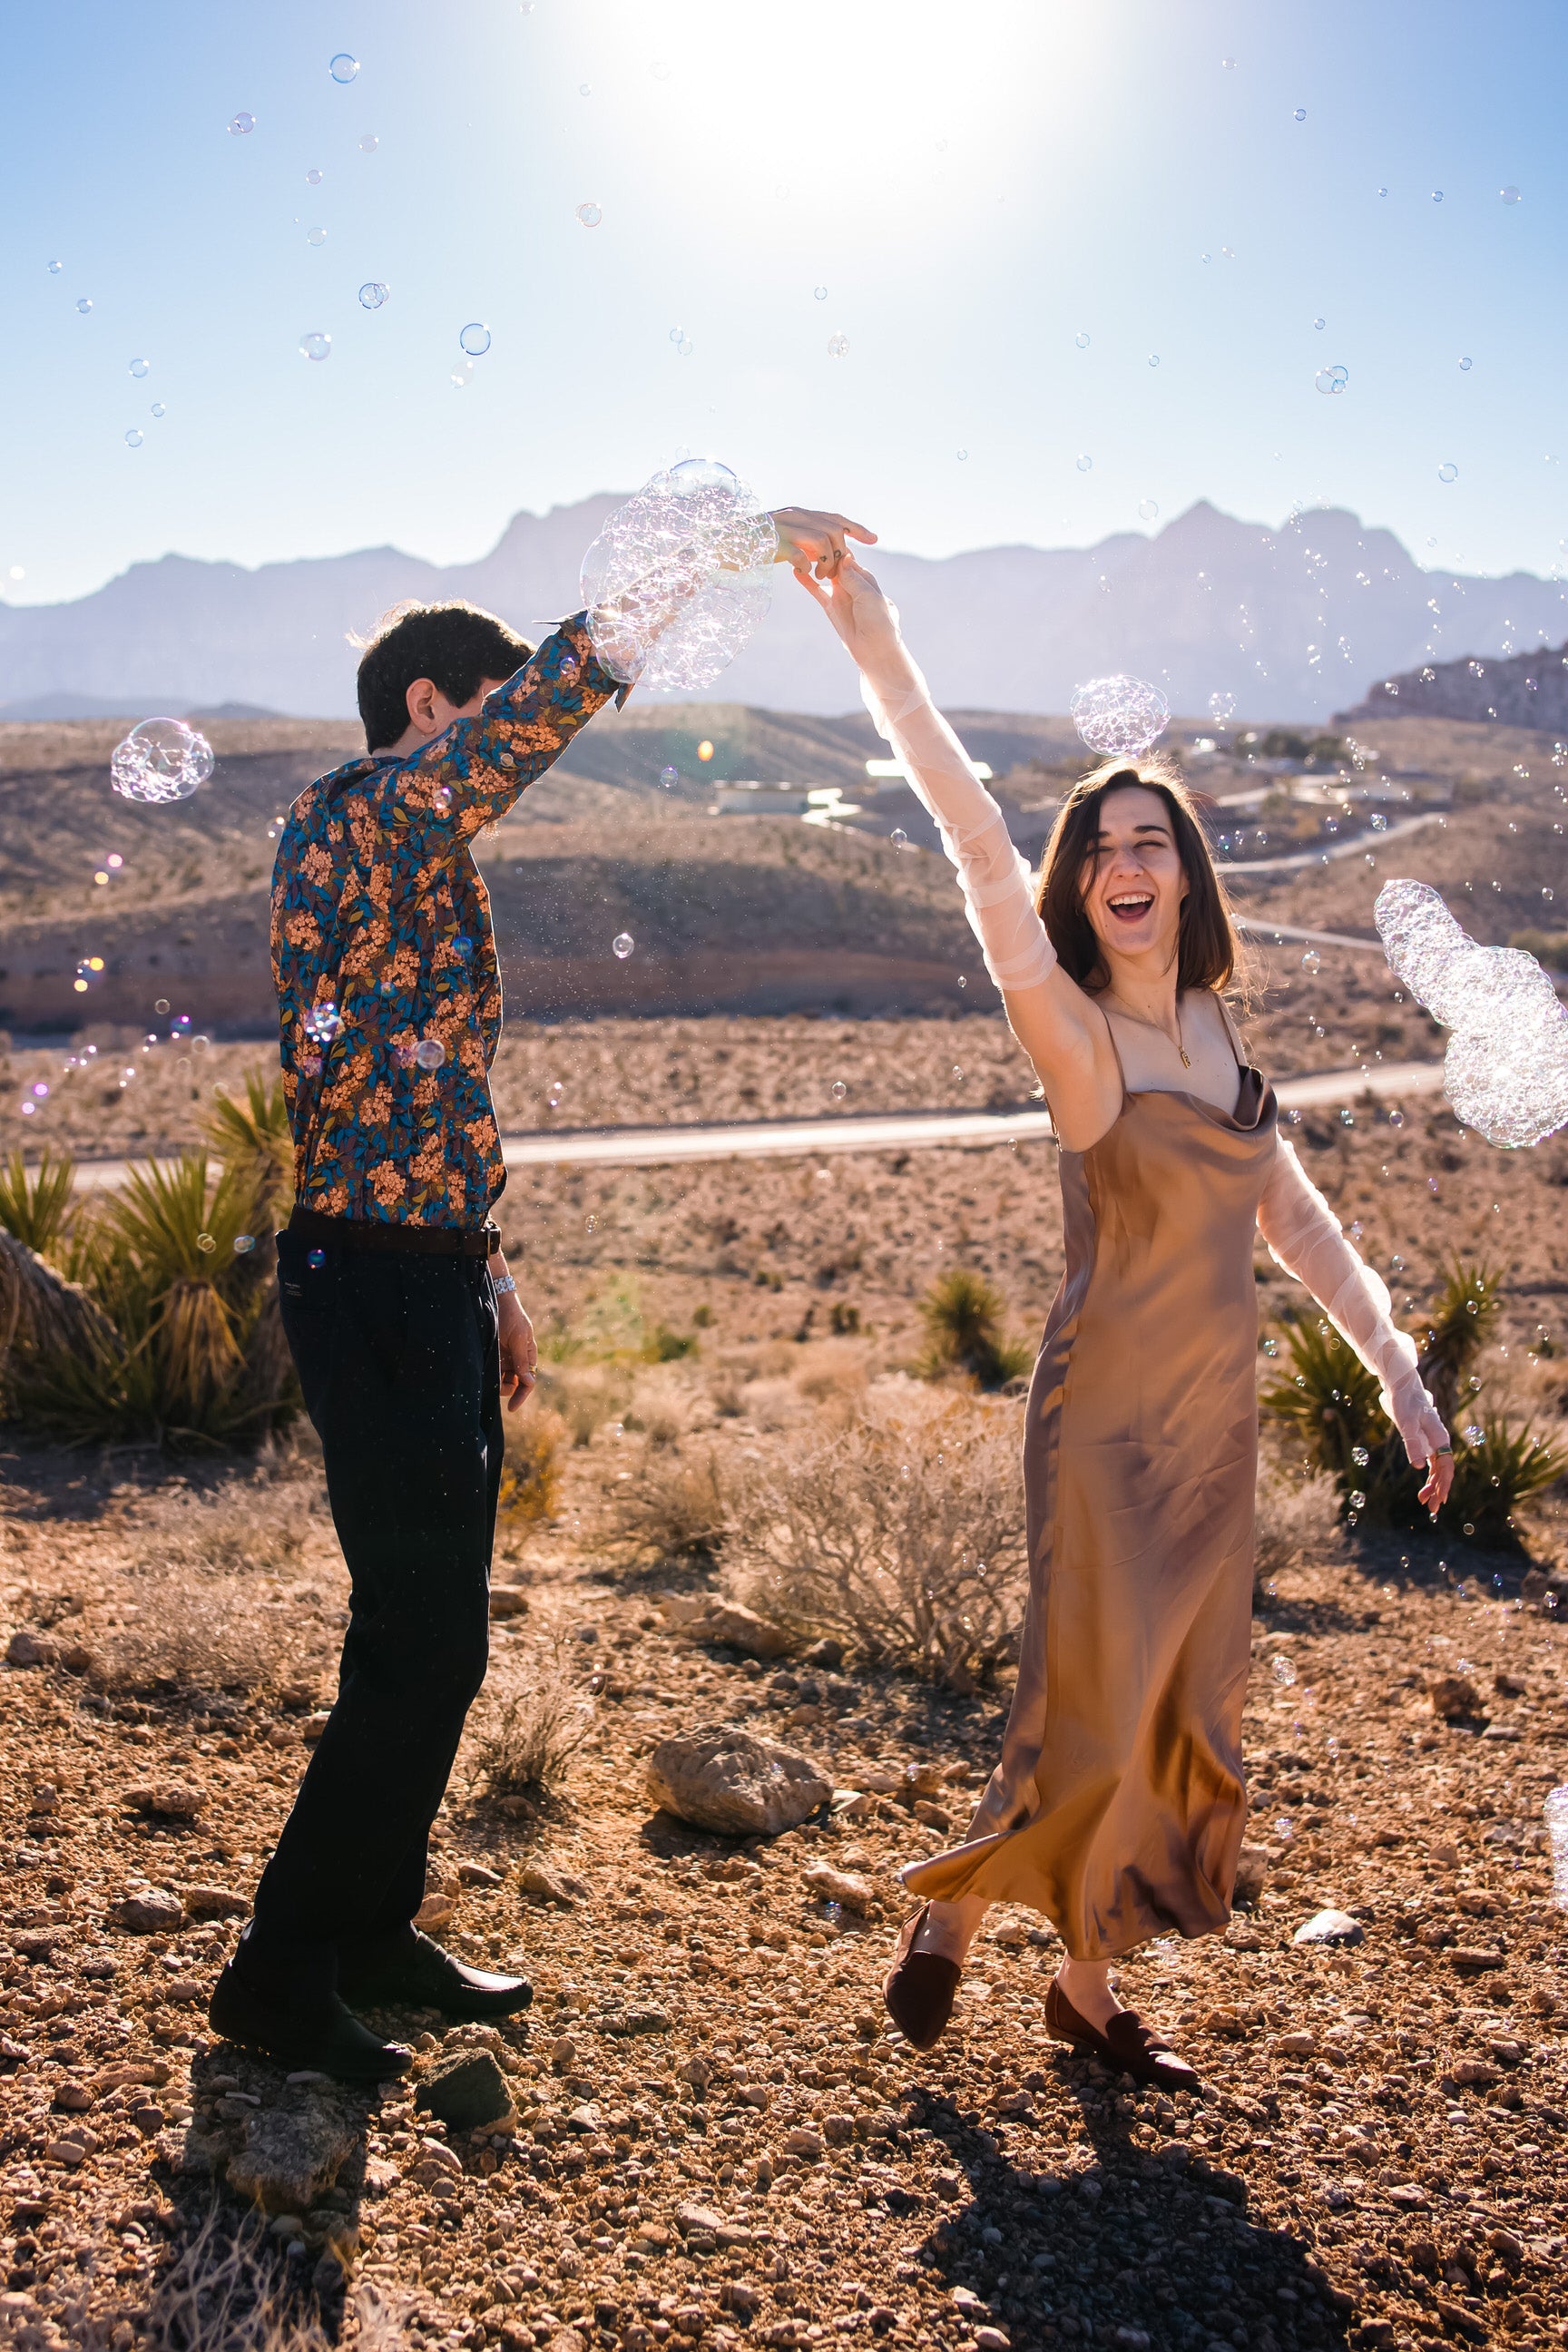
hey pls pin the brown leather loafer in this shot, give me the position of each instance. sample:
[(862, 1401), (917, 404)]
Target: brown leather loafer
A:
[(920, 1987), (1127, 2044)]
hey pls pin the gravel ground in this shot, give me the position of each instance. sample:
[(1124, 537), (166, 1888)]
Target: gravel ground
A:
[(715, 2135)]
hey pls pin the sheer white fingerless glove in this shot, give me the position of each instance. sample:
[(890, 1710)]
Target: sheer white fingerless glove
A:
[(1304, 1236), (994, 877)]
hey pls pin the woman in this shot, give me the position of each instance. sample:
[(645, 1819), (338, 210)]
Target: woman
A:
[(1118, 1807)]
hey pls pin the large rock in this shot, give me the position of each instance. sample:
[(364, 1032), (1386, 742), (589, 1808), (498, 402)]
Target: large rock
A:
[(730, 1781), (727, 1622), (290, 2154), (1329, 1928), (465, 2091)]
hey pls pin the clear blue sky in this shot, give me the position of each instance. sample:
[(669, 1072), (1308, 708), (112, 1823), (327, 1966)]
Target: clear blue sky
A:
[(975, 185)]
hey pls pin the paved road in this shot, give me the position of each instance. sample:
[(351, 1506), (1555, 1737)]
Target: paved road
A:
[(1297, 860), (1265, 931), (664, 1147)]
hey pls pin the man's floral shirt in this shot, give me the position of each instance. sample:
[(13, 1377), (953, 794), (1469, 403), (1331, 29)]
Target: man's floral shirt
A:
[(389, 998)]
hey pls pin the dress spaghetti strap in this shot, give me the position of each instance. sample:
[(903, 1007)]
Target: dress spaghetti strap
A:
[(1111, 1032), (1232, 1032)]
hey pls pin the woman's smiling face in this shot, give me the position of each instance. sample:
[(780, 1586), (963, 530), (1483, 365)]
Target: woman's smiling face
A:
[(1134, 883)]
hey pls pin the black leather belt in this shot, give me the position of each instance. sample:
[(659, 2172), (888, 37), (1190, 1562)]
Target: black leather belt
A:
[(364, 1234)]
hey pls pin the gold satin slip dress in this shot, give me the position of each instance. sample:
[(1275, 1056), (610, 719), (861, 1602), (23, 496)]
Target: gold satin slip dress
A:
[(1118, 1807)]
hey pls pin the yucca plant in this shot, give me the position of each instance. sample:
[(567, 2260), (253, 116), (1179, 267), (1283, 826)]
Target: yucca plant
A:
[(1331, 1400), (170, 1261), (35, 1202), (254, 1137), (962, 1316)]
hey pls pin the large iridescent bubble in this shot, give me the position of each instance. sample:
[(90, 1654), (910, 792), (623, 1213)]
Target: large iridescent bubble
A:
[(1506, 1070), (161, 760), (679, 578), (1120, 717)]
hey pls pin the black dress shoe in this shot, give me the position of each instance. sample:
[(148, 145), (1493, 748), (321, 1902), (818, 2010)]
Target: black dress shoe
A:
[(411, 1972), (319, 2033)]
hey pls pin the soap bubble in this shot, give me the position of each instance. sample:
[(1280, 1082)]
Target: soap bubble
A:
[(315, 236), (1085, 465), (692, 542), (1153, 359), (369, 143), (1465, 366), (1331, 379), (554, 1095), (622, 945), (1320, 324), (1301, 114), (240, 124), (1448, 473), (1436, 195), (323, 1022), (374, 293), (157, 409), (474, 339), (316, 1259), (244, 1244), (820, 293), (134, 437), (1119, 716), (316, 345), (899, 837), (313, 178), (1506, 1070), (1221, 705), (668, 777), (1284, 1672), (138, 368), (838, 1090), (837, 346), (590, 216), (1311, 963), (85, 305), (1081, 339), (1147, 510), (1509, 195), (161, 760), (962, 454), (342, 67), (430, 1053)]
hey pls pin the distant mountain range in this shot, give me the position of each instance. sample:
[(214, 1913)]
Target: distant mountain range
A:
[(1529, 690), (1289, 623)]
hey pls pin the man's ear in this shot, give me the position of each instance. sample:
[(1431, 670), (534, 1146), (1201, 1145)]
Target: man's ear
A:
[(421, 702)]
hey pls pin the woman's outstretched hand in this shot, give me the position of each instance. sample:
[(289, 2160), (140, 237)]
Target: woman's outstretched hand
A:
[(858, 609), (807, 539)]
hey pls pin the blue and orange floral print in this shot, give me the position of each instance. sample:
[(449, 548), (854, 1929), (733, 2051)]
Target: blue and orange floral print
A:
[(389, 998)]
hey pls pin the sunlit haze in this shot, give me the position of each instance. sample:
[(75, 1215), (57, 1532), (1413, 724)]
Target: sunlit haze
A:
[(977, 189)]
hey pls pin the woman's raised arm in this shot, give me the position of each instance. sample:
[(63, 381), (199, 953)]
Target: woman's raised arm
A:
[(1060, 1028)]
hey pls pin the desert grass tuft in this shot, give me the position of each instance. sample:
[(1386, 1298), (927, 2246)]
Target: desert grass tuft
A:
[(530, 1731)]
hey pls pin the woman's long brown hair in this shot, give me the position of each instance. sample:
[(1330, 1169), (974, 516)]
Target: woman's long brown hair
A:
[(1209, 952)]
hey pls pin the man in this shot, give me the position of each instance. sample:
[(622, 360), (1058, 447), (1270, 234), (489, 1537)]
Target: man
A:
[(404, 1325)]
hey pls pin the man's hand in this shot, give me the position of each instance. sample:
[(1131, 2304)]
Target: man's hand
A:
[(519, 1352), (808, 539)]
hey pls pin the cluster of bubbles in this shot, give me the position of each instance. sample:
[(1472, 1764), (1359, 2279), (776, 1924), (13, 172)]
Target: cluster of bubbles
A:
[(1221, 705), (1120, 717), (1506, 1070), (679, 578), (374, 293), (161, 760), (1331, 379)]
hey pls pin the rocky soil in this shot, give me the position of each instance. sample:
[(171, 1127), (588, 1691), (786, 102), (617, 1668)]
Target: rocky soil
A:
[(704, 2128)]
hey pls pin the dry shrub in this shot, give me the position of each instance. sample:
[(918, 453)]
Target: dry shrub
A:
[(837, 1376), (260, 1525), (669, 1511), (199, 1625), (195, 1633), (527, 1733), (1298, 1520), (900, 1532), (228, 2291), (530, 1474), (586, 1398)]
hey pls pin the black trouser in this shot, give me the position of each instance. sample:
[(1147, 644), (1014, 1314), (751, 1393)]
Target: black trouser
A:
[(398, 1357)]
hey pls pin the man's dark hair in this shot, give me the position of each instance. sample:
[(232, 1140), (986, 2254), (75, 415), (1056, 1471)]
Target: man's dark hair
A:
[(457, 646)]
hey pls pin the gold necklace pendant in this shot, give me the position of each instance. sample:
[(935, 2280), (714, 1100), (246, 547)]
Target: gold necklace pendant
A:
[(1186, 1057)]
